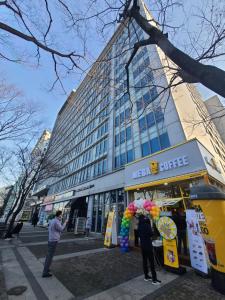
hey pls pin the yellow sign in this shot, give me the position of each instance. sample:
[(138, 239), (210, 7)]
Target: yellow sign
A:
[(154, 167), (170, 253), (167, 228), (211, 218), (108, 233)]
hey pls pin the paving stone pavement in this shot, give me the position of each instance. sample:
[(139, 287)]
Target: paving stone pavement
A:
[(69, 247), (189, 286)]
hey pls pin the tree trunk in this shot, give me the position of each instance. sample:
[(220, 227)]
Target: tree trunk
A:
[(208, 75)]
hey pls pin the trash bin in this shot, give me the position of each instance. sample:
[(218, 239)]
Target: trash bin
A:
[(209, 204)]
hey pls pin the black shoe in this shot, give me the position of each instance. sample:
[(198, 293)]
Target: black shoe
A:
[(148, 278), (156, 282), (47, 275)]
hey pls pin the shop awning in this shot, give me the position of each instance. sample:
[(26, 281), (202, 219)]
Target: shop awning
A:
[(166, 180), (167, 201)]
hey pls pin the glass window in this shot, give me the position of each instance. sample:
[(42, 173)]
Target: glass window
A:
[(130, 155), (145, 149), (117, 161), (122, 159), (104, 168), (127, 114), (159, 114), (153, 93), (128, 133), (155, 144), (142, 124), (147, 98), (122, 117), (139, 104), (122, 137), (150, 119), (117, 140), (164, 140), (117, 121)]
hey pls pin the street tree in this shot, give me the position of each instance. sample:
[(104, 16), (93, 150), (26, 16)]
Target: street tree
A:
[(18, 117), (29, 168)]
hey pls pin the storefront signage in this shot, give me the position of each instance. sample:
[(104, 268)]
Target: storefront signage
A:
[(49, 198), (84, 188), (196, 244), (64, 196), (49, 207), (156, 167)]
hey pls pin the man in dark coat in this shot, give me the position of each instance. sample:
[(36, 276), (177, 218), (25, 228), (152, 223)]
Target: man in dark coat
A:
[(145, 233), (34, 219)]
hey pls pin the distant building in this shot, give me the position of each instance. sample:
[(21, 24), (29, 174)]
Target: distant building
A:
[(106, 143), (217, 112)]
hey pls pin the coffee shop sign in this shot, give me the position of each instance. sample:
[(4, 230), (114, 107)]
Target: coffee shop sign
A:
[(155, 167)]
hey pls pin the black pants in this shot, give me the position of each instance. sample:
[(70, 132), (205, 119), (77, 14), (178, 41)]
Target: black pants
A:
[(182, 239), (136, 238), (148, 255)]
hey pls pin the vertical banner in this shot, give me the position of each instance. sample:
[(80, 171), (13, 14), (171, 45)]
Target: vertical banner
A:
[(110, 229), (170, 253), (196, 243)]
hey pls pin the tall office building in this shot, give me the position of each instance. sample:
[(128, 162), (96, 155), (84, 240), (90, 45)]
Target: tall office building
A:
[(101, 132), (217, 113)]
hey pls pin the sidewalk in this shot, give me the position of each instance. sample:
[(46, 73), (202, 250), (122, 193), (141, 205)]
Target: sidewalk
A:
[(84, 269)]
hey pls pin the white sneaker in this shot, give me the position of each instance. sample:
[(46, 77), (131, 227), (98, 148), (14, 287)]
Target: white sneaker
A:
[(156, 282), (148, 278)]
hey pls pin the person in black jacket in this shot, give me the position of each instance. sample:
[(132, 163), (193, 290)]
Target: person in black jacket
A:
[(145, 233)]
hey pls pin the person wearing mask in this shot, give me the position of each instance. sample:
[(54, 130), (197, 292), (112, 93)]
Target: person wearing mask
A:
[(54, 232), (145, 234)]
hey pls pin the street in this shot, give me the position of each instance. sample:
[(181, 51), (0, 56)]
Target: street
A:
[(84, 269)]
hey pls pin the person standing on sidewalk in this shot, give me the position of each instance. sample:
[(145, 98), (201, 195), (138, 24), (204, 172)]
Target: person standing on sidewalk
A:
[(54, 232), (145, 233)]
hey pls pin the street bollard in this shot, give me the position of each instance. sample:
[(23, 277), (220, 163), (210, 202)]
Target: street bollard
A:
[(209, 204)]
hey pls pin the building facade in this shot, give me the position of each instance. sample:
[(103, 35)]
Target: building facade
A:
[(102, 129), (217, 113)]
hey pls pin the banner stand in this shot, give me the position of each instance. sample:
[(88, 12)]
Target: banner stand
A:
[(111, 231)]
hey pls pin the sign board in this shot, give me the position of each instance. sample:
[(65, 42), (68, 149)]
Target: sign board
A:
[(170, 253), (196, 243), (180, 160), (111, 234), (80, 225)]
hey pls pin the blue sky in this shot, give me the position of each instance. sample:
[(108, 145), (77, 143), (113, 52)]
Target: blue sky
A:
[(35, 82)]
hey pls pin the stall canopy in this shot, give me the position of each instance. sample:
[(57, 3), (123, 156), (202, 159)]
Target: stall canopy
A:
[(167, 202)]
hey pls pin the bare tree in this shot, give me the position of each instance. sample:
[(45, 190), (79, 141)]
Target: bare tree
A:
[(45, 27), (30, 168), (18, 118)]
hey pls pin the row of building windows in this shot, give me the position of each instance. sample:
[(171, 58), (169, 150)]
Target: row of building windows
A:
[(146, 99), (123, 117), (123, 158), (124, 135), (88, 173), (155, 144), (151, 119)]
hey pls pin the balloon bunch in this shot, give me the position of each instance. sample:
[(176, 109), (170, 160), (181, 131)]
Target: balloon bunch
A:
[(137, 207), (125, 226)]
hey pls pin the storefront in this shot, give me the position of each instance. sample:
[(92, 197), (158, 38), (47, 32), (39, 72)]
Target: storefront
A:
[(94, 200), (168, 175)]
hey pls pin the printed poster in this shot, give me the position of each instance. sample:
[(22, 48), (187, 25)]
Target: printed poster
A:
[(196, 243), (110, 233), (170, 253)]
